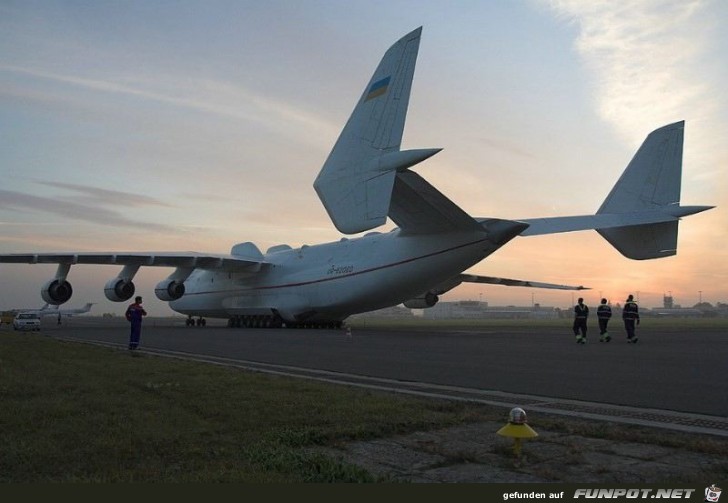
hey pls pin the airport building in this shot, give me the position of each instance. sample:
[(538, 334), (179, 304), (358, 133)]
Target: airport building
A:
[(473, 309), (394, 312)]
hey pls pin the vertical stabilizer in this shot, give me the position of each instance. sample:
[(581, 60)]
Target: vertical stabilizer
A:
[(650, 181), (652, 178), (353, 185)]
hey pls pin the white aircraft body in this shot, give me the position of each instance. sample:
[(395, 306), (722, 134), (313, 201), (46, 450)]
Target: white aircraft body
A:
[(365, 180), (47, 310), (55, 310)]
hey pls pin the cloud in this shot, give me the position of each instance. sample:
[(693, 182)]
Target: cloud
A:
[(18, 201), (96, 195), (645, 56), (507, 146), (201, 95)]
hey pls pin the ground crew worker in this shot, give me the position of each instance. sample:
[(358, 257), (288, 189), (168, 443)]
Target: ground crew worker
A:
[(134, 314), (581, 313), (630, 315), (604, 313)]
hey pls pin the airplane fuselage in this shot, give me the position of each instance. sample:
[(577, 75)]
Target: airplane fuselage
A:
[(331, 281)]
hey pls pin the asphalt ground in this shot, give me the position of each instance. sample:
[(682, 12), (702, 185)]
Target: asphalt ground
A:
[(673, 368)]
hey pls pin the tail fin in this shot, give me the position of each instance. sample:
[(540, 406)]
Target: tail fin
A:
[(651, 181), (652, 178), (355, 183), (640, 215)]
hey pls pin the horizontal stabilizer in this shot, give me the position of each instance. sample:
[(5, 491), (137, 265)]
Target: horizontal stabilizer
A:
[(555, 225), (640, 215)]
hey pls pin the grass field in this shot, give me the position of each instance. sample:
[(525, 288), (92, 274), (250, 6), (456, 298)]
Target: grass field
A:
[(78, 413)]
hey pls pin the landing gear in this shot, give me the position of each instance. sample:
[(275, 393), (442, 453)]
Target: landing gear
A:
[(275, 321), (330, 325), (191, 322)]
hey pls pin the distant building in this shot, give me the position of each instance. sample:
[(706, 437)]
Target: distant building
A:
[(394, 312), (670, 309), (677, 312), (473, 309)]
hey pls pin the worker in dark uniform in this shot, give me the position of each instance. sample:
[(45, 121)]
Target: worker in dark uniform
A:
[(631, 316), (134, 314), (604, 313), (581, 313)]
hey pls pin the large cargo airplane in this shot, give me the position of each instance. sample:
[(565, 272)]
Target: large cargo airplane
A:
[(365, 180)]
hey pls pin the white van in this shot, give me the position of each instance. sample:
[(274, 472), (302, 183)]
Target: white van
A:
[(26, 321)]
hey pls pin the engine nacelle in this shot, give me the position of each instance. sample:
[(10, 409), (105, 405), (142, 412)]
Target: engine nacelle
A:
[(168, 290), (119, 290), (427, 300), (56, 291)]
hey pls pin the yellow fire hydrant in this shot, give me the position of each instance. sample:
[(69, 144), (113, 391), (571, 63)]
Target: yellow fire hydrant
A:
[(517, 429)]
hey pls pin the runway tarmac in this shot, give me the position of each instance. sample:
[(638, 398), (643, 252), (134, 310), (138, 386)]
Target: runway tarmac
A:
[(670, 369)]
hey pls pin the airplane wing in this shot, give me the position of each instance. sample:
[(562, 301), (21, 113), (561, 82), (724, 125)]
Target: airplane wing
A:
[(491, 280), (472, 278), (231, 263)]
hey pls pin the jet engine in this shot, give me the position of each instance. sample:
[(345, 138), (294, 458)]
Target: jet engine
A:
[(427, 300), (119, 290), (168, 290), (56, 291)]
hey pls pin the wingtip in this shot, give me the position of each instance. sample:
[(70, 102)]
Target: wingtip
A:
[(414, 33), (668, 127)]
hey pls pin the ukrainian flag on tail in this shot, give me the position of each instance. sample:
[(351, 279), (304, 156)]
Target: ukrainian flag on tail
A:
[(378, 88)]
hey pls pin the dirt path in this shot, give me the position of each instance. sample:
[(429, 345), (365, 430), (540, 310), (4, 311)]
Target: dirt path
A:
[(475, 453)]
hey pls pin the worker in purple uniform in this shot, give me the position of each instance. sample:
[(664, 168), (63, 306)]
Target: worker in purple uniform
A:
[(134, 314)]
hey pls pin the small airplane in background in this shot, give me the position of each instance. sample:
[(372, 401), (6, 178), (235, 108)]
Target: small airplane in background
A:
[(51, 310), (365, 180), (55, 310), (46, 310)]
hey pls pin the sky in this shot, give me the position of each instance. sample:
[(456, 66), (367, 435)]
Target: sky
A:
[(193, 126)]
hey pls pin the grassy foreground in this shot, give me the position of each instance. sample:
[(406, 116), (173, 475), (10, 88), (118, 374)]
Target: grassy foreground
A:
[(77, 413)]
